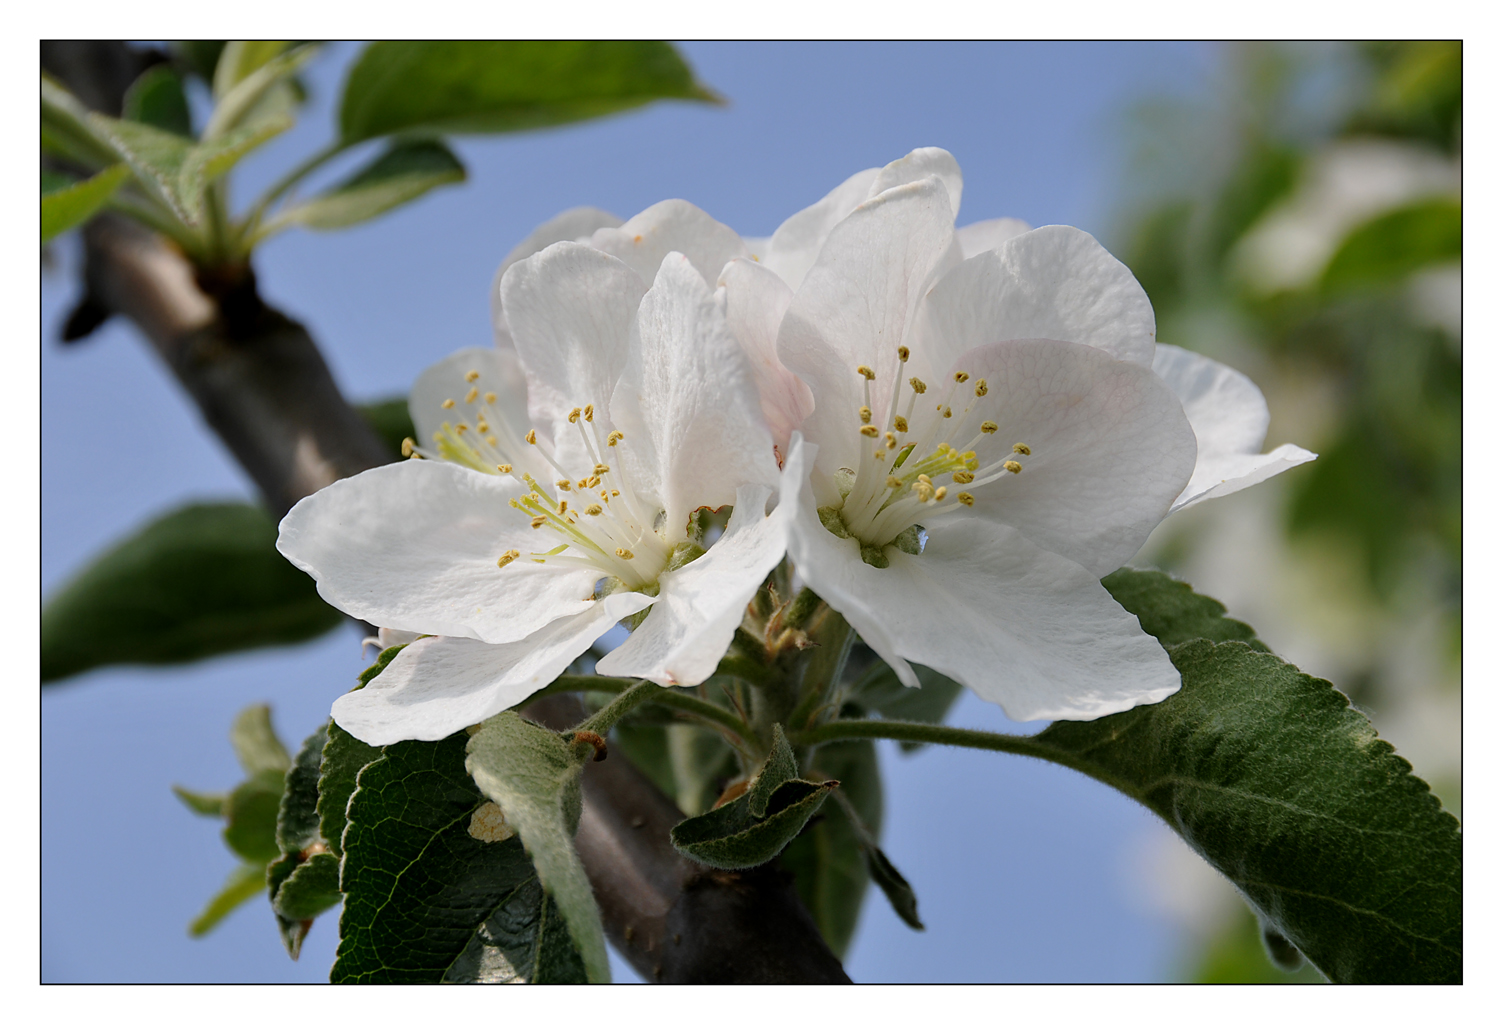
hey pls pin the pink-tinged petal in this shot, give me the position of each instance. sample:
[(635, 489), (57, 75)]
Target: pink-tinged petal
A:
[(1021, 627), (832, 567), (577, 224), (988, 235), (1229, 417), (672, 226), (438, 686), (793, 249), (684, 636), (755, 301), (687, 402), (918, 165), (1110, 447), (571, 309), (1055, 283), (856, 305), (415, 546)]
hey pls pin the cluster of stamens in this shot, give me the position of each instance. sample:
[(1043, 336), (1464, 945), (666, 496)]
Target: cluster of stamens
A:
[(604, 525), (905, 478)]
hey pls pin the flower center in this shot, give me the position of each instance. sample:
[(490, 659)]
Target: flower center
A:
[(913, 470), (602, 523)]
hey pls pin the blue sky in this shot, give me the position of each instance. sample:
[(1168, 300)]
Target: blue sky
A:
[(1021, 868)]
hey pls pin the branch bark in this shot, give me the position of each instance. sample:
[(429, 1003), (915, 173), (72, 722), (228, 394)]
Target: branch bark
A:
[(264, 388)]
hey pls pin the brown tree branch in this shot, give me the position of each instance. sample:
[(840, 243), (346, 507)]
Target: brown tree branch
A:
[(264, 388)]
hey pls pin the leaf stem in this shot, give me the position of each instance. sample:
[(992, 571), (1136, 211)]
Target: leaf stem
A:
[(249, 226), (825, 667), (604, 720), (934, 733), (665, 697)]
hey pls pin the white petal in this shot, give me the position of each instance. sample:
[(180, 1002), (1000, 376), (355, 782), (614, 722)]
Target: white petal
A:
[(1055, 283), (1021, 627), (831, 566), (571, 309), (414, 546), (500, 373), (988, 235), (701, 605), (794, 247), (1230, 418), (755, 301), (855, 306), (918, 165), (438, 686), (1110, 448), (672, 226), (577, 224)]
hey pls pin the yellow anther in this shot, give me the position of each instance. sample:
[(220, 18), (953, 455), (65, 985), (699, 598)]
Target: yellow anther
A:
[(593, 510), (463, 427), (588, 412), (900, 423), (903, 352), (880, 455), (492, 441), (1022, 449), (924, 480), (472, 395), (924, 493), (963, 478), (864, 415), (942, 491), (573, 415), (869, 430), (981, 388), (531, 437), (562, 508), (471, 375), (538, 521), (892, 483), (1013, 466), (484, 426), (960, 377), (509, 555), (565, 485), (989, 428), (967, 499), (590, 482), (867, 372), (490, 398), (890, 441), (614, 492), (601, 469), (408, 448), (917, 385), (504, 469), (623, 553), (448, 403), (615, 437)]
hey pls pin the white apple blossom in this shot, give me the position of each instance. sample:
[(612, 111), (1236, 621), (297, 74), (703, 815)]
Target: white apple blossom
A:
[(989, 429), (555, 499)]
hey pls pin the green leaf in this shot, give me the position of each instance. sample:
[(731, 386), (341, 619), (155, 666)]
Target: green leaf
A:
[(202, 580), (425, 898), (243, 883), (391, 420), (297, 820), (251, 810), (1272, 777), (239, 59), (68, 207), (256, 88), (404, 172), (201, 804), (156, 98), (895, 887), (201, 56), (779, 767), (1397, 244), (731, 837), (343, 757), (533, 775), (879, 690), (255, 742), (827, 860), (67, 130), (311, 889), (469, 87)]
